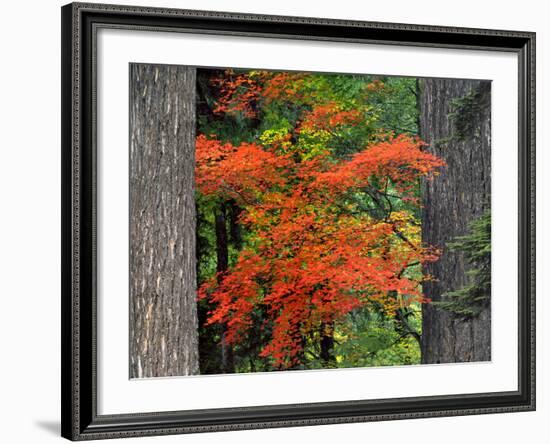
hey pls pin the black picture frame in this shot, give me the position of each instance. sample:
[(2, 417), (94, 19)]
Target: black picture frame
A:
[(80, 420)]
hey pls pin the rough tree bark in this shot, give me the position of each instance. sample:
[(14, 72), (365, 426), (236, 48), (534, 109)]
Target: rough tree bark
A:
[(451, 201), (163, 311)]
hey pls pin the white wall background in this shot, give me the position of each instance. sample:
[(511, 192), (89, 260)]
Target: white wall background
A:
[(30, 221)]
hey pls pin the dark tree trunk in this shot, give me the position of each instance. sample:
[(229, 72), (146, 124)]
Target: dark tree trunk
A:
[(222, 251), (222, 255), (327, 343), (163, 311), (458, 131)]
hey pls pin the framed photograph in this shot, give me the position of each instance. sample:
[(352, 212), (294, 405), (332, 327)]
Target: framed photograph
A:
[(279, 221)]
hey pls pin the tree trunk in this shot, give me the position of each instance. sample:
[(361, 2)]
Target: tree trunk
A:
[(327, 344), (222, 255), (163, 311), (222, 250), (458, 131)]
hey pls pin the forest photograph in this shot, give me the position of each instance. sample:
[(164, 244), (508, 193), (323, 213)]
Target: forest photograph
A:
[(287, 220)]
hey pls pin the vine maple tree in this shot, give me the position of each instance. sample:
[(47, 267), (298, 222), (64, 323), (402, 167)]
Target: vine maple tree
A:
[(326, 234)]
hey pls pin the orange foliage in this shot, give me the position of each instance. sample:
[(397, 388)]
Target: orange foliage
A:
[(327, 116), (241, 172), (399, 159), (241, 92), (283, 86), (237, 93), (310, 259)]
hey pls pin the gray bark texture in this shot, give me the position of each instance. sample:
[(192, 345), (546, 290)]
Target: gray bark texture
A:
[(163, 308), (451, 201)]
